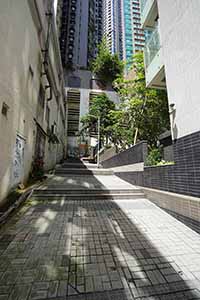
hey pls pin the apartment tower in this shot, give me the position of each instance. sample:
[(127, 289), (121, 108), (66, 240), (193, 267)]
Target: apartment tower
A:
[(112, 25), (122, 27), (79, 26)]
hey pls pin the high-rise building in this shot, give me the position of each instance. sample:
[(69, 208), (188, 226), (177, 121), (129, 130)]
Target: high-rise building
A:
[(133, 33), (80, 31), (127, 32), (79, 27), (99, 21), (172, 62), (122, 27), (94, 28), (111, 25), (62, 27), (138, 33)]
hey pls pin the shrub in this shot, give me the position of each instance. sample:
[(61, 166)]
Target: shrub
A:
[(165, 163), (154, 157), (107, 66), (37, 168)]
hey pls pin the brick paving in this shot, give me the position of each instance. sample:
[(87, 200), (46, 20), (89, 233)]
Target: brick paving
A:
[(97, 249)]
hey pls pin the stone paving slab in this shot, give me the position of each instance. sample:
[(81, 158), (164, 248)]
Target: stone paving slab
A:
[(88, 182), (98, 250)]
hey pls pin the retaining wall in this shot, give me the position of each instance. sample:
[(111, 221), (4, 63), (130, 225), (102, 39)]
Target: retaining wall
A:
[(183, 177), (134, 154)]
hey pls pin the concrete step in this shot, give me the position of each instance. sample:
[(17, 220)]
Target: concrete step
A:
[(80, 197), (81, 171), (73, 160), (65, 191), (93, 166), (78, 166)]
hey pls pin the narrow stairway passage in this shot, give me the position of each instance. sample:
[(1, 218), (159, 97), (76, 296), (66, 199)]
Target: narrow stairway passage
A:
[(94, 236)]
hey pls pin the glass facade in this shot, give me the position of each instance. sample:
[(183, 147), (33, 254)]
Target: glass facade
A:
[(152, 46), (143, 3), (128, 28), (133, 34), (123, 28)]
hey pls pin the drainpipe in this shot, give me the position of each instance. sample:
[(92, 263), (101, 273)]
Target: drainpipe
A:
[(172, 115), (45, 63)]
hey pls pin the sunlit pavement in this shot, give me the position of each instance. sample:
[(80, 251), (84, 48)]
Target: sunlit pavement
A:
[(97, 249)]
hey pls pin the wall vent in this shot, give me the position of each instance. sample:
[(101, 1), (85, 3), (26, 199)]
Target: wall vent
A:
[(4, 109)]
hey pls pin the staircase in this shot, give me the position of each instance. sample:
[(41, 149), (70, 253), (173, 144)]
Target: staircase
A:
[(81, 169), (75, 180)]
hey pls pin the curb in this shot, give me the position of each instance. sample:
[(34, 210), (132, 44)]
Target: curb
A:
[(25, 196)]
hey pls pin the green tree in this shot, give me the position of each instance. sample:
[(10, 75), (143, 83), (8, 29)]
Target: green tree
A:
[(107, 66), (101, 106), (146, 109), (119, 131)]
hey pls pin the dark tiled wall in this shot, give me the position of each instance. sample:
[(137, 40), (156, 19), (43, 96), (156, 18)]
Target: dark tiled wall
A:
[(183, 177), (135, 154)]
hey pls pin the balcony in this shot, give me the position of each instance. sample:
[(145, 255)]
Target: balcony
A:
[(154, 67), (149, 13)]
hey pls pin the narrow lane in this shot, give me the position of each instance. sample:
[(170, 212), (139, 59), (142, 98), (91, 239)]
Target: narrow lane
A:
[(103, 242)]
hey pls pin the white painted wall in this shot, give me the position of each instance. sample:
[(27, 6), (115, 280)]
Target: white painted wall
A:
[(180, 34), (20, 50)]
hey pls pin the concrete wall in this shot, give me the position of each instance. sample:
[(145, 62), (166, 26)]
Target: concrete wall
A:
[(185, 208), (107, 153), (180, 35), (135, 154), (20, 80)]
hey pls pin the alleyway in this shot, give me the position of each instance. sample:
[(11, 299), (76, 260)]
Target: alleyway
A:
[(94, 236)]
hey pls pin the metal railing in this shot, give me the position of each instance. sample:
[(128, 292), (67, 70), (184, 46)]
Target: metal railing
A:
[(152, 46)]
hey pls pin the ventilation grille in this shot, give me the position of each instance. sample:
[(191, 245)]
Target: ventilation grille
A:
[(73, 99)]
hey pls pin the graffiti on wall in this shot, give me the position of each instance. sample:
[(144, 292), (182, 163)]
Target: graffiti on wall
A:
[(18, 161)]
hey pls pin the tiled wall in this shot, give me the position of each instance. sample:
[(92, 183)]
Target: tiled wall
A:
[(183, 177)]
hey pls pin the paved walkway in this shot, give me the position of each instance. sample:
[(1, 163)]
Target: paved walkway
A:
[(97, 249)]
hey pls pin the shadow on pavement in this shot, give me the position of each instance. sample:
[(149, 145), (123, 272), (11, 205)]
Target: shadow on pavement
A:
[(95, 249)]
